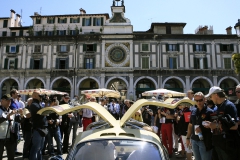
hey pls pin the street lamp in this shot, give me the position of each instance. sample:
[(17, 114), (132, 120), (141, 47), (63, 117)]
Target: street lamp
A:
[(237, 28)]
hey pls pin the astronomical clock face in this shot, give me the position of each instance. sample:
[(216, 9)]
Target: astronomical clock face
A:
[(117, 55)]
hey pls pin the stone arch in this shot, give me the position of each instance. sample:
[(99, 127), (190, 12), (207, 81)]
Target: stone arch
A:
[(223, 78), (11, 78), (81, 80), (174, 77), (61, 78), (109, 80), (39, 78), (201, 77), (147, 77)]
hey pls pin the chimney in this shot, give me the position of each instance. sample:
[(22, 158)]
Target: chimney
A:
[(229, 30), (12, 13), (82, 11), (17, 21)]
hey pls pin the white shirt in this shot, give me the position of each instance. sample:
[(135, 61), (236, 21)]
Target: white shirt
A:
[(87, 113)]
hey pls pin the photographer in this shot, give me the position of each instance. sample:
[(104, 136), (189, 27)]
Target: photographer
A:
[(64, 126), (39, 124), (147, 115), (225, 138), (6, 124), (54, 131)]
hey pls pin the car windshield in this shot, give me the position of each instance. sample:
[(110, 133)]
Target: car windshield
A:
[(117, 150)]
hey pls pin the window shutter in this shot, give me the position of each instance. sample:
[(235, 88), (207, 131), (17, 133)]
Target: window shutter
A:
[(7, 49), (57, 63), (47, 20), (221, 47), (84, 47), (177, 47), (67, 63), (90, 21), (40, 21), (231, 47), (68, 48), (70, 20), (95, 47), (58, 48), (167, 47), (85, 65), (94, 21), (16, 63), (46, 33), (205, 47), (31, 63), (194, 47), (101, 21), (17, 48), (196, 63), (205, 63), (64, 32), (57, 32), (78, 20), (41, 64), (93, 62), (6, 63), (83, 22), (58, 20), (65, 20), (174, 63), (21, 33), (54, 20)]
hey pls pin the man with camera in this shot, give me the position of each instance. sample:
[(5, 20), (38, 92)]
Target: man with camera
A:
[(6, 128), (147, 115), (224, 125), (39, 127)]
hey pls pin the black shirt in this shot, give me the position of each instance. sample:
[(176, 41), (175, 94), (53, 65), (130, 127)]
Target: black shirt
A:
[(167, 110), (38, 121), (182, 124), (197, 117), (54, 117)]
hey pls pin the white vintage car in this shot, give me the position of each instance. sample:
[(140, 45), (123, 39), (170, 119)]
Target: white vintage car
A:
[(111, 139)]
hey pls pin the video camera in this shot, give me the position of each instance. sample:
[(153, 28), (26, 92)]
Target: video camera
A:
[(226, 120)]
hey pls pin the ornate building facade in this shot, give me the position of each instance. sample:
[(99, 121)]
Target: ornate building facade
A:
[(85, 51)]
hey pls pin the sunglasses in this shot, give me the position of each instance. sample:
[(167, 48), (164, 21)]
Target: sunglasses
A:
[(199, 100), (237, 91)]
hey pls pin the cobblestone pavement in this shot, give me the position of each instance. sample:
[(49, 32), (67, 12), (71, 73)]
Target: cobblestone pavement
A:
[(20, 148)]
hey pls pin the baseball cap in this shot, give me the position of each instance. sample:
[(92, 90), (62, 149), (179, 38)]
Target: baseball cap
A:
[(66, 96), (214, 89), (6, 96)]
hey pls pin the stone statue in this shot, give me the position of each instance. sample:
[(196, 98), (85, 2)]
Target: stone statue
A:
[(113, 2), (122, 2)]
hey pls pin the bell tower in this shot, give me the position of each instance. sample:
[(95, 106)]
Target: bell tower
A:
[(118, 23)]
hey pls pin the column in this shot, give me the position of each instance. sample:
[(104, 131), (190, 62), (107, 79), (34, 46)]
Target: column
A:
[(215, 82), (160, 82), (47, 82), (213, 56), (131, 88), (188, 87), (131, 54), (103, 54), (186, 56), (49, 59), (24, 57), (102, 81)]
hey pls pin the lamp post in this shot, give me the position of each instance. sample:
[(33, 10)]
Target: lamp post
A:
[(237, 28)]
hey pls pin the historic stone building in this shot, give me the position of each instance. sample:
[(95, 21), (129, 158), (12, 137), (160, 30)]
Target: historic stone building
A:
[(86, 51)]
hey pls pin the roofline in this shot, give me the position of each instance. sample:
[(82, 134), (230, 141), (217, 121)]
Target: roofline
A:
[(70, 15)]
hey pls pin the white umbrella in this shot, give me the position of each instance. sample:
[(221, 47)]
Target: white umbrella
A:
[(41, 90), (163, 92), (101, 92)]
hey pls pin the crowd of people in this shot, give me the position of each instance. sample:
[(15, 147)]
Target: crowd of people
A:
[(207, 130)]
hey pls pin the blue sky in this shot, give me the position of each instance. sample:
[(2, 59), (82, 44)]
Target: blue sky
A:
[(217, 13)]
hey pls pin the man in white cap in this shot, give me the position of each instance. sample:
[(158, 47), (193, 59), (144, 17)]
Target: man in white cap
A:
[(226, 139)]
